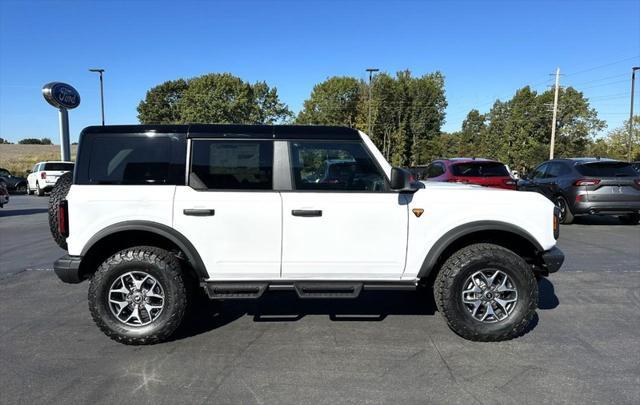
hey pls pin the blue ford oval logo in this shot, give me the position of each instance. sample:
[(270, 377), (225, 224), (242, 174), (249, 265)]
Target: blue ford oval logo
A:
[(61, 95)]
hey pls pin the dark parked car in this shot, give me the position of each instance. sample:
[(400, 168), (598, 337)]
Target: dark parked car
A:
[(13, 183), (588, 186), (484, 172)]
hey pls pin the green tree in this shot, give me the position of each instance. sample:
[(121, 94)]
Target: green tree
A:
[(333, 102), (615, 144), (160, 105), (35, 141), (4, 141), (470, 138), (212, 98)]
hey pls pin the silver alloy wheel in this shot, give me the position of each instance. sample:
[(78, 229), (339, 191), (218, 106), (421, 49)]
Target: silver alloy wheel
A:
[(489, 295), (136, 298)]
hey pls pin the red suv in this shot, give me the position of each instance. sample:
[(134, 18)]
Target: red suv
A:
[(484, 172)]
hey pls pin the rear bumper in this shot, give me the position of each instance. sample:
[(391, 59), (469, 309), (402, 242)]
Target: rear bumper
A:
[(67, 268), (609, 207), (552, 259)]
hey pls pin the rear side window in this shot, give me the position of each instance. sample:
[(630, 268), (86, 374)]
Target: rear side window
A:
[(129, 160), (58, 166), (479, 169), (606, 169), (231, 165)]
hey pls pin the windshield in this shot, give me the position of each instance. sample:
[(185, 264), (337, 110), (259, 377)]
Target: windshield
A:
[(58, 166), (606, 169), (479, 169)]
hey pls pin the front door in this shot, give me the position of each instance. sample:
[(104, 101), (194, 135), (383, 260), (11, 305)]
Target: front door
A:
[(341, 221), (229, 210)]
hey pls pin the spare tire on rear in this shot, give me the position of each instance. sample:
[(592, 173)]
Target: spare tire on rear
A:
[(58, 193)]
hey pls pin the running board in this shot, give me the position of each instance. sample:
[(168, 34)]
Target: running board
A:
[(304, 289), (235, 290)]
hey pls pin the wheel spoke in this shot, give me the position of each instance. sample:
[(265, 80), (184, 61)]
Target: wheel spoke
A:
[(127, 292), (488, 312)]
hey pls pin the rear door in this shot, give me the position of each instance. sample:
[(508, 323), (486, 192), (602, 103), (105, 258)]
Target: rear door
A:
[(614, 181), (344, 224), (229, 210)]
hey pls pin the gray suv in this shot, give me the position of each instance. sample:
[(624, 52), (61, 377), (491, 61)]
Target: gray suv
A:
[(588, 186)]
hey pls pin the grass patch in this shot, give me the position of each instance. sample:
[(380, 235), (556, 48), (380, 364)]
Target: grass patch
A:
[(20, 158)]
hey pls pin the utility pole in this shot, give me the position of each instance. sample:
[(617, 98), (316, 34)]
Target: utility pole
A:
[(555, 114), (633, 79), (371, 71), (100, 71)]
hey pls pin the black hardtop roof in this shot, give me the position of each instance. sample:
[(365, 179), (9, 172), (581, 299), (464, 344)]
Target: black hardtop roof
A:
[(234, 131)]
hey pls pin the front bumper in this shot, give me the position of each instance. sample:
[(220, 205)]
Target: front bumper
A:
[(67, 268), (552, 259)]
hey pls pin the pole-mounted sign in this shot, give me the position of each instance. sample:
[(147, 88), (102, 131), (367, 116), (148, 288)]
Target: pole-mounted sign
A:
[(64, 98)]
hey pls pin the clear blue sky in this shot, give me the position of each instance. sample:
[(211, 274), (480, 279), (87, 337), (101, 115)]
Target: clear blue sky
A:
[(486, 50)]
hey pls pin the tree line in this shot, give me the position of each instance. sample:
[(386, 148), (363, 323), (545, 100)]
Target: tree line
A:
[(403, 114)]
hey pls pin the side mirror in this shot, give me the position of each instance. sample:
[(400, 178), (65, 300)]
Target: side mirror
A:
[(401, 180)]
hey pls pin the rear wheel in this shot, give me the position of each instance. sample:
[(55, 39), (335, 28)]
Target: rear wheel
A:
[(486, 293), (566, 216), (630, 219), (28, 189), (138, 296), (21, 188), (39, 191)]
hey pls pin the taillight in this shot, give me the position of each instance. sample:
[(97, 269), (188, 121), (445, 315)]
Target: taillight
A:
[(43, 175), (581, 198), (510, 183), (637, 181), (63, 218), (587, 182)]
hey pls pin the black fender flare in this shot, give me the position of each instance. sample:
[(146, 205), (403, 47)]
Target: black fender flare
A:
[(466, 229), (159, 229)]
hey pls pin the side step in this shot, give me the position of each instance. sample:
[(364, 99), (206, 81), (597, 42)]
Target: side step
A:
[(233, 290), (327, 290), (304, 289)]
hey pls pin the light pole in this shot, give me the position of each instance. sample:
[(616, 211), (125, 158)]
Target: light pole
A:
[(633, 79), (100, 71), (371, 71)]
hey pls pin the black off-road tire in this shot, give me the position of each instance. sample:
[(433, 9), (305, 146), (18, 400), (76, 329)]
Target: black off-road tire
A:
[(449, 285), (160, 264), (630, 219), (568, 217), (58, 193)]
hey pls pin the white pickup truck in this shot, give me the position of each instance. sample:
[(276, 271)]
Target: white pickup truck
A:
[(241, 210)]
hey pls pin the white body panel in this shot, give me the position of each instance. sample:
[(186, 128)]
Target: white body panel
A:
[(242, 240), (448, 206), (93, 208), (358, 236)]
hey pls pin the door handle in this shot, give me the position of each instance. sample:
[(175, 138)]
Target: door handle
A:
[(199, 212), (306, 213)]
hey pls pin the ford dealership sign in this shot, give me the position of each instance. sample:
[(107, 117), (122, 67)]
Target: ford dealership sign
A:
[(61, 95)]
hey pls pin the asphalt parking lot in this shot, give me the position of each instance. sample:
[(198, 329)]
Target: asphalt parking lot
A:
[(584, 346)]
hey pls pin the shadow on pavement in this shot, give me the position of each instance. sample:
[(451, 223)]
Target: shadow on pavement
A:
[(15, 213), (547, 298), (370, 306), (598, 220)]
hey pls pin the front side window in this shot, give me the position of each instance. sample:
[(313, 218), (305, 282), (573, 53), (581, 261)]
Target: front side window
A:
[(231, 165), (334, 166), (539, 172)]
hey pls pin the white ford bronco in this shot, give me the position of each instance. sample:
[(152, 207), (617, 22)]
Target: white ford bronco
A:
[(240, 210)]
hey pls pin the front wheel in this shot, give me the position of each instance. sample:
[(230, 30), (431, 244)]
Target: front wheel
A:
[(486, 293), (138, 296)]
